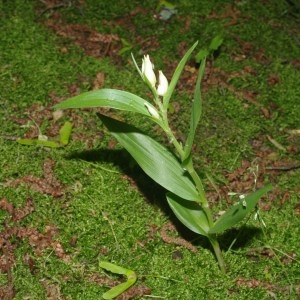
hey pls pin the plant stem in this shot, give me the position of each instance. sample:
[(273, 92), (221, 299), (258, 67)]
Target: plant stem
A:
[(215, 244), (171, 136), (205, 207), (189, 167), (191, 170)]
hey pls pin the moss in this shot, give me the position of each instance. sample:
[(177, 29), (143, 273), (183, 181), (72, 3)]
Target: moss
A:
[(110, 209)]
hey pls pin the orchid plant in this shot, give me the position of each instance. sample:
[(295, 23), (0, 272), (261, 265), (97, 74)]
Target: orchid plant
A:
[(173, 171)]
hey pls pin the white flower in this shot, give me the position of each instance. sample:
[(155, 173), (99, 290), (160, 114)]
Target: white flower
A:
[(163, 84), (147, 70), (153, 112)]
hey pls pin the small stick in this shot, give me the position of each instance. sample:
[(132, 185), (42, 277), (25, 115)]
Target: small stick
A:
[(276, 144)]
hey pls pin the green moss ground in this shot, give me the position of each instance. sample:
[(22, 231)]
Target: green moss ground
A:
[(110, 218)]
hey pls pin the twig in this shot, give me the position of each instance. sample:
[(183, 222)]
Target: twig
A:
[(284, 167), (276, 144)]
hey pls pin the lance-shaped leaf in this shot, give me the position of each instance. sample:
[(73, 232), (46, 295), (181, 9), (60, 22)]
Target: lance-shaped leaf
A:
[(201, 55), (156, 161), (238, 211), (196, 112), (108, 98), (120, 288), (189, 213), (176, 76)]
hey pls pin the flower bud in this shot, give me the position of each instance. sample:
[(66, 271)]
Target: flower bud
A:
[(147, 70), (163, 84), (153, 112)]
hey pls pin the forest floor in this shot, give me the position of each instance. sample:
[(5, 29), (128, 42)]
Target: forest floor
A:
[(63, 210)]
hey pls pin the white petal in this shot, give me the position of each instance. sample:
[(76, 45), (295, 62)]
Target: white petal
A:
[(163, 84), (147, 70), (153, 112)]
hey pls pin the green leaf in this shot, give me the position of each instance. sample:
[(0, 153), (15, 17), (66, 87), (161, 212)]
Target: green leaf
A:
[(215, 43), (114, 268), (201, 55), (65, 133), (238, 211), (176, 76), (119, 289), (50, 144), (126, 46), (136, 66), (196, 112), (108, 98), (163, 3), (189, 213), (156, 161), (213, 46)]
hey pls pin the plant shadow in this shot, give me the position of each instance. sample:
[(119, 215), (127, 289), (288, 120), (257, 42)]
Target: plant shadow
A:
[(236, 238), (154, 194), (152, 191)]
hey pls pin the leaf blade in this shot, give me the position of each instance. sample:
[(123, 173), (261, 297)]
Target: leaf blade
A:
[(196, 112), (111, 98), (189, 213), (117, 290), (176, 76), (155, 160), (239, 211), (120, 288)]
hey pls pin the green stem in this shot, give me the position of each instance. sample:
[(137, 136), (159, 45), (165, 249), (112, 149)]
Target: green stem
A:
[(170, 135), (215, 244), (190, 169), (205, 207), (196, 179)]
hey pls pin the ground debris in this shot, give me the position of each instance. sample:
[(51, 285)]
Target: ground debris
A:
[(48, 184), (297, 209), (39, 241), (284, 166), (133, 292), (216, 77), (94, 43), (231, 11), (165, 235), (17, 214), (264, 252), (10, 237), (255, 283), (52, 290)]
